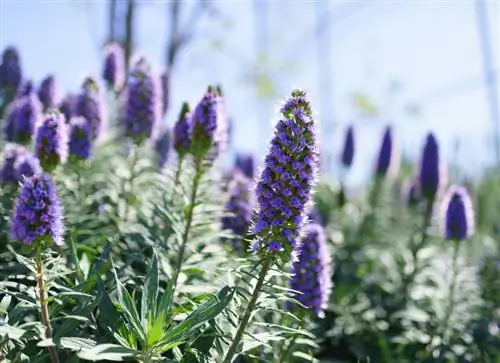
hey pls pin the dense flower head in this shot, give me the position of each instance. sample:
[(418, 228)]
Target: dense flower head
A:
[(285, 187), (430, 176), (80, 138), (12, 153), (181, 133), (37, 215), (22, 116), (66, 107), (315, 217), (89, 104), (239, 208), (165, 91), (47, 92), (51, 144), (204, 123), (246, 164), (312, 273), (349, 148), (142, 103), (10, 70), (162, 147), (387, 161), (457, 214), (25, 88), (113, 71)]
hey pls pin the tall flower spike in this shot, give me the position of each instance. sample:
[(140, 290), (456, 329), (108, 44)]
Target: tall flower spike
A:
[(312, 273), (89, 104), (457, 214), (66, 107), (284, 190), (47, 92), (387, 161), (22, 119), (114, 66), (80, 138), (165, 91), (240, 207), (11, 114), (26, 166), (181, 137), (430, 176), (25, 89), (246, 164), (51, 144), (348, 150), (162, 147), (204, 123), (12, 153), (38, 215), (142, 103), (10, 70)]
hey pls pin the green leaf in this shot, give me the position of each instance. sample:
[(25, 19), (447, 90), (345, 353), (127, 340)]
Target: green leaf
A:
[(76, 344), (111, 352), (150, 293), (4, 304)]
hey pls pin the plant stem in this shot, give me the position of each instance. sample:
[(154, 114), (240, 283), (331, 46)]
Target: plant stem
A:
[(189, 221), (128, 182), (176, 178), (266, 265), (291, 344), (451, 297), (43, 304)]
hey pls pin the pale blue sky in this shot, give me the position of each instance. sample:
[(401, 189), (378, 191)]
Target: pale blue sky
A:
[(431, 47)]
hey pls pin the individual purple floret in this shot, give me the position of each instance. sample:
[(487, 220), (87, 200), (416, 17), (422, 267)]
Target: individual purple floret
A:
[(66, 107), (162, 147), (80, 138), (181, 138), (25, 89), (286, 183), (348, 150), (37, 217), (10, 70), (89, 105), (142, 103), (430, 169), (47, 92), (114, 66), (239, 208), (246, 164), (165, 91), (387, 158), (312, 273), (11, 154), (204, 123), (22, 116), (457, 214), (51, 144)]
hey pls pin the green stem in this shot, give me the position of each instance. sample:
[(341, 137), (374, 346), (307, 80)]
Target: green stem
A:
[(177, 177), (266, 265), (291, 344), (451, 297), (43, 304), (128, 182)]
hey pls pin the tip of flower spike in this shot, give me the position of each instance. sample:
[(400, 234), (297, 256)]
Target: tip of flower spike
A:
[(185, 109), (457, 214), (219, 90)]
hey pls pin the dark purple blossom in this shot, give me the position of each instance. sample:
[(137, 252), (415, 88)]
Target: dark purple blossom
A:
[(89, 104), (312, 273), (66, 107), (239, 208), (457, 214), (11, 154), (37, 215), (181, 138), (27, 165), (349, 149), (22, 116), (142, 103), (430, 176), (25, 89), (387, 157), (51, 144), (204, 123), (114, 66), (165, 91), (411, 192), (162, 147), (246, 164), (10, 70), (47, 92), (284, 189), (80, 138)]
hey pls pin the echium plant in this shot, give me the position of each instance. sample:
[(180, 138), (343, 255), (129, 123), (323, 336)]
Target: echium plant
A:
[(80, 138), (89, 104), (284, 193), (246, 164), (25, 88), (162, 147), (18, 163), (47, 92), (113, 71), (348, 150), (66, 106), (10, 76), (22, 117), (51, 143), (37, 224)]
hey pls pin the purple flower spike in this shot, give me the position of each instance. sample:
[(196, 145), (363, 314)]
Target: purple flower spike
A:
[(23, 115), (12, 153), (25, 89), (387, 162), (246, 164), (284, 190), (142, 103), (26, 166), (430, 176), (37, 217), (51, 144), (10, 70), (66, 107), (240, 207), (47, 92), (204, 123), (114, 66), (348, 151), (457, 214), (312, 273), (181, 137), (411, 192), (162, 147), (80, 138), (165, 88), (89, 104)]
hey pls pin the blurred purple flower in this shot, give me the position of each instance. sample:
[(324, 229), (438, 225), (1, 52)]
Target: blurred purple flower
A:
[(387, 162), (80, 138), (25, 89), (430, 174), (51, 144), (10, 70), (246, 164), (457, 214), (11, 154), (89, 104), (204, 123), (114, 66), (181, 137), (165, 91), (22, 116), (349, 148), (162, 147), (66, 107), (47, 92), (411, 192)]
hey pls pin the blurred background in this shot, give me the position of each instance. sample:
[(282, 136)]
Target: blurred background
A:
[(416, 64)]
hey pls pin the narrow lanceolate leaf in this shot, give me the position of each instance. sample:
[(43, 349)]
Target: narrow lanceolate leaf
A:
[(111, 352), (150, 293)]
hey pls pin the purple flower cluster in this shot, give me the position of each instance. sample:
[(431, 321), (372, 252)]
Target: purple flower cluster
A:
[(18, 163), (286, 183), (240, 207), (246, 164), (312, 273), (51, 144), (181, 138), (114, 66), (348, 150), (165, 90), (10, 70), (47, 92), (387, 158), (80, 138), (37, 216), (66, 107), (457, 214), (25, 89), (430, 169), (142, 103), (22, 116), (204, 123), (89, 105), (162, 147)]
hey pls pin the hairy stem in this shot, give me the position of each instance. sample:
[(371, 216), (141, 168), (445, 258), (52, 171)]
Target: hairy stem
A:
[(43, 304), (451, 296), (266, 265)]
